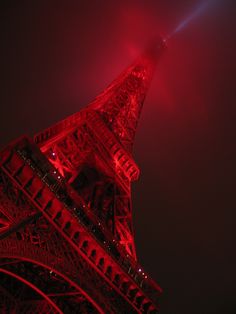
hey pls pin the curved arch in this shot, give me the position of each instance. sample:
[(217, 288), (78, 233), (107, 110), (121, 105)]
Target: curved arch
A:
[(72, 283), (29, 284)]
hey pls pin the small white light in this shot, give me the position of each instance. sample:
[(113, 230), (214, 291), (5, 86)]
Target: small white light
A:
[(59, 177), (54, 154), (140, 270)]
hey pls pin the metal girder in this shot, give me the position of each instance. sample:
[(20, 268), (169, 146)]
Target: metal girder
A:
[(65, 211)]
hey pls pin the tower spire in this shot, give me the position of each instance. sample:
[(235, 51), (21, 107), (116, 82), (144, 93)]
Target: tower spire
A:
[(121, 102)]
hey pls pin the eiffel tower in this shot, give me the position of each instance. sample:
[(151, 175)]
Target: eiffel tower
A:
[(66, 233)]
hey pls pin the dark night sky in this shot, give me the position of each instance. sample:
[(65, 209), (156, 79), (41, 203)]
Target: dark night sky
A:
[(56, 56)]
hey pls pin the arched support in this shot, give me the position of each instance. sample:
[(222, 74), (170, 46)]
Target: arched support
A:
[(54, 270), (29, 284)]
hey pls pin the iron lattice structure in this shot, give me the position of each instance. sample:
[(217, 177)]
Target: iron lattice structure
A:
[(66, 235)]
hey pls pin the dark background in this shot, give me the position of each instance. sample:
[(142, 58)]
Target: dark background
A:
[(56, 56)]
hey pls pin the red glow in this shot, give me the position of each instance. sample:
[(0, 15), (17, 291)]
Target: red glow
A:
[(56, 57)]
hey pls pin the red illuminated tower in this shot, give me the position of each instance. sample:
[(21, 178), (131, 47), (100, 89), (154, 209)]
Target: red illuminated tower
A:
[(66, 234)]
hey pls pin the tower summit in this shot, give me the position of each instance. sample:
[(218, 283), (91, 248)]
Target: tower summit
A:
[(66, 233)]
